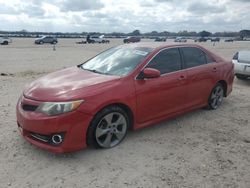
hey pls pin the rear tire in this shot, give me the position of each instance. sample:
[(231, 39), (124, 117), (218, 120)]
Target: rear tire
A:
[(5, 43), (216, 97), (241, 77), (108, 128)]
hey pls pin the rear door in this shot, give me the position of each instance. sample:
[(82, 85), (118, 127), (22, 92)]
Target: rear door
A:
[(162, 96), (201, 75), (47, 39)]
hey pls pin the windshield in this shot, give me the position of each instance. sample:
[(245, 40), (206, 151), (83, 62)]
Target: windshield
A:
[(117, 61)]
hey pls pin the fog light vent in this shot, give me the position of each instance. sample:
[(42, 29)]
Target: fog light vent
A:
[(40, 137)]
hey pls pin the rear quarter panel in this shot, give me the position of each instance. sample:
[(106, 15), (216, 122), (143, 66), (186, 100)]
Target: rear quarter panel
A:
[(225, 70), (226, 73)]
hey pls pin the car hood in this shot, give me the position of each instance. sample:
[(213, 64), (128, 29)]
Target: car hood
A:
[(67, 84)]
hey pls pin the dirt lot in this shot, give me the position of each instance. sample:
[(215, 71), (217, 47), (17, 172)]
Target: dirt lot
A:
[(200, 149)]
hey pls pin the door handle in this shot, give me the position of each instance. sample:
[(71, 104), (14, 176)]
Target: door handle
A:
[(181, 78), (214, 69)]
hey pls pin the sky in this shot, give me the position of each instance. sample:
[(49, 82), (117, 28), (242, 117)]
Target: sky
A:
[(124, 15)]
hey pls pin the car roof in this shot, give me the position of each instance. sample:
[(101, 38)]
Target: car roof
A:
[(155, 45)]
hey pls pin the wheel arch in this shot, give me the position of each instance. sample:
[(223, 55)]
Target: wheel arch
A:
[(123, 106), (126, 108), (224, 85)]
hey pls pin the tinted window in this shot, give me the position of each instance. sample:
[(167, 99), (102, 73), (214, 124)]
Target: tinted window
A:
[(193, 57), (209, 59), (166, 61)]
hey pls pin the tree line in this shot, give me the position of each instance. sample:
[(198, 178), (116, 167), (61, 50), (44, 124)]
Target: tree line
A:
[(240, 34)]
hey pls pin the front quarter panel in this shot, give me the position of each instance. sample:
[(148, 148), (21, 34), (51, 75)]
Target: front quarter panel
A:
[(120, 91)]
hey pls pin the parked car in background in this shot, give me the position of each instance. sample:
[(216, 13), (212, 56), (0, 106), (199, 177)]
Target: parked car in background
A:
[(97, 39), (46, 39), (126, 87), (241, 61), (201, 39), (5, 40), (229, 40), (160, 39), (132, 39), (81, 42), (180, 39), (217, 39)]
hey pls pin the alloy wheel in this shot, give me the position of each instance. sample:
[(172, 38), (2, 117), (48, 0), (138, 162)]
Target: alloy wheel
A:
[(111, 130), (216, 97)]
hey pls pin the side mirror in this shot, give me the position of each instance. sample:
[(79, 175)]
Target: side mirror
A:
[(151, 73)]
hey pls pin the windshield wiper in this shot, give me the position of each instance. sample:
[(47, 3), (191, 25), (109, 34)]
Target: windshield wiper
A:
[(95, 71)]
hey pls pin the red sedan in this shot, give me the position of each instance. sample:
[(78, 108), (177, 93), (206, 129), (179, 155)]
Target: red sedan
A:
[(126, 87)]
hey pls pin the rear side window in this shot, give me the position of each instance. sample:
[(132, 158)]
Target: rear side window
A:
[(193, 57), (166, 61), (209, 59)]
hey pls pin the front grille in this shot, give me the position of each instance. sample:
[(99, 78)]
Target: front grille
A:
[(29, 107)]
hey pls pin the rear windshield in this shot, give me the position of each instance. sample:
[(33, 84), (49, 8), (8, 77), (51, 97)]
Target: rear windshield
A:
[(244, 56)]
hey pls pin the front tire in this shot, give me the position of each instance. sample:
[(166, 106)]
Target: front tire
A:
[(108, 128), (5, 43), (216, 97)]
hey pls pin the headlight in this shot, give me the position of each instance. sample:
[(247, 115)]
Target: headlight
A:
[(55, 108)]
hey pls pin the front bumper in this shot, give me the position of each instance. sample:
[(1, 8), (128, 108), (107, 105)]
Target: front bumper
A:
[(73, 126), (241, 68)]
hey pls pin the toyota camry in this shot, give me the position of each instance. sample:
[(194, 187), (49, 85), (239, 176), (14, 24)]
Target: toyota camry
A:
[(126, 87)]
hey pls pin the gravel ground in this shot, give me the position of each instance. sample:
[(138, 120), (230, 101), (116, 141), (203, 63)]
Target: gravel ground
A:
[(199, 149)]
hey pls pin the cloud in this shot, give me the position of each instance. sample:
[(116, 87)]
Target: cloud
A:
[(5, 9), (163, 1), (80, 5), (203, 8), (147, 4), (32, 10), (243, 1), (124, 16)]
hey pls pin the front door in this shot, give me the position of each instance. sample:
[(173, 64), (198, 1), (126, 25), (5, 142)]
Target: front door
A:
[(161, 96)]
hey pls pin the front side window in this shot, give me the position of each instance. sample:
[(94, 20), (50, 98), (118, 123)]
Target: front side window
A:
[(117, 61), (166, 61), (193, 57)]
